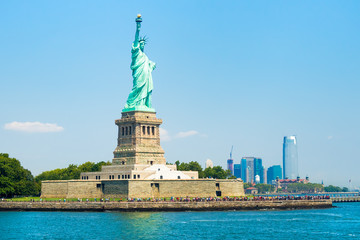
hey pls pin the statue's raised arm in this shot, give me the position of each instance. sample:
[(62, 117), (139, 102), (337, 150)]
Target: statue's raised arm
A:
[(140, 96), (138, 26)]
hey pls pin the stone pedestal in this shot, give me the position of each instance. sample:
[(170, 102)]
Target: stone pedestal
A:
[(138, 139)]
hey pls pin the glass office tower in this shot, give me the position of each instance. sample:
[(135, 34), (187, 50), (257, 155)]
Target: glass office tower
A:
[(243, 169), (237, 170), (258, 169), (273, 172), (290, 158), (247, 169), (250, 171)]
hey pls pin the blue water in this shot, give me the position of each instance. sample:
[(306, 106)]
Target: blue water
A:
[(342, 222)]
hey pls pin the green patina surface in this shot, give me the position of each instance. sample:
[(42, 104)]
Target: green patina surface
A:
[(140, 96)]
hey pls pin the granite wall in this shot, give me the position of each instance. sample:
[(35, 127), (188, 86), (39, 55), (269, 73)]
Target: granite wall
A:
[(141, 188), (71, 189)]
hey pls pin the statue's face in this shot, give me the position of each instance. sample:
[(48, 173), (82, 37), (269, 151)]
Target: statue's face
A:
[(142, 45)]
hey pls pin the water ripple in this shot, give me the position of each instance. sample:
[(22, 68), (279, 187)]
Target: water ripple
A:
[(342, 222)]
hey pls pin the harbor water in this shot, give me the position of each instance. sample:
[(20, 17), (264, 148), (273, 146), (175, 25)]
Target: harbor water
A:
[(340, 222)]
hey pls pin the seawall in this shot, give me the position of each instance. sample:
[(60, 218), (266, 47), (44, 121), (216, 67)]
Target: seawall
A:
[(165, 206), (345, 199)]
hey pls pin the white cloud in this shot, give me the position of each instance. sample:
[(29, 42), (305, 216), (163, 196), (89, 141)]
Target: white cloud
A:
[(187, 134), (330, 137), (33, 127), (164, 135)]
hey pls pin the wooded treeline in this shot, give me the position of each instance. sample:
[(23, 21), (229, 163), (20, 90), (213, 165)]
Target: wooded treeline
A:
[(216, 172), (14, 179), (18, 181), (71, 172), (296, 188)]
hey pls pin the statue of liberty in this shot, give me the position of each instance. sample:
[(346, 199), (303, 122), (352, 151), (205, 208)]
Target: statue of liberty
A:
[(140, 96)]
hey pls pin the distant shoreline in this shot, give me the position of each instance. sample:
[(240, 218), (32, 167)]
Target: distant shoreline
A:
[(165, 206)]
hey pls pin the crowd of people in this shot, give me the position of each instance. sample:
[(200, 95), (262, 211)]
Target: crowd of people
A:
[(217, 199), (188, 199), (191, 199)]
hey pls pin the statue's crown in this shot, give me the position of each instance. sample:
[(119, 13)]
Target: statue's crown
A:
[(143, 39)]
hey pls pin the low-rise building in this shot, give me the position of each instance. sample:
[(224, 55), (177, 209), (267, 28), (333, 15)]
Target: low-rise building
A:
[(251, 190)]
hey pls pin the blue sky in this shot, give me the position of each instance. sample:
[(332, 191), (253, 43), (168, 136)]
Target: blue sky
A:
[(242, 73)]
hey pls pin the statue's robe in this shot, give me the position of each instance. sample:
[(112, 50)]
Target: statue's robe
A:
[(141, 67)]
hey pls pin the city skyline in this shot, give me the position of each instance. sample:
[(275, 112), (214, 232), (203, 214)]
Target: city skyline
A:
[(242, 74)]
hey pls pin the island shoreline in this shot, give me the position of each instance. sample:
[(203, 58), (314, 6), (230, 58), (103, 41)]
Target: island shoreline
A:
[(166, 206)]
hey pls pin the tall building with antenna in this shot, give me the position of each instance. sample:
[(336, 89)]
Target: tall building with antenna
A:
[(230, 162)]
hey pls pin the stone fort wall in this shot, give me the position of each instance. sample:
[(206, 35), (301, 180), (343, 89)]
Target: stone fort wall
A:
[(141, 188), (54, 189), (71, 189)]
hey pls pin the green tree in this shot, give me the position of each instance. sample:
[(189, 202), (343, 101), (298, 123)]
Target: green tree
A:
[(6, 187), (97, 166), (14, 179), (332, 188), (71, 172), (191, 166), (86, 167), (195, 166), (247, 185), (217, 172), (183, 167), (304, 187), (177, 163), (264, 188)]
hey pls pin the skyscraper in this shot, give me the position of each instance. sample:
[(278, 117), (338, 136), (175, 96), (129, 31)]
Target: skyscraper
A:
[(250, 164), (264, 176), (230, 166), (237, 170), (243, 169), (290, 158), (230, 162), (258, 169), (209, 164), (273, 172), (247, 168)]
